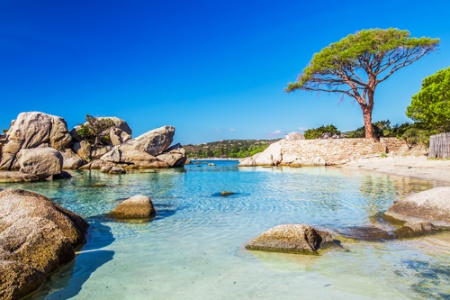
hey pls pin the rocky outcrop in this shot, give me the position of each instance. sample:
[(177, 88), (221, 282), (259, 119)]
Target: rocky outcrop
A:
[(101, 143), (314, 152), (150, 150), (32, 130), (36, 237), (422, 210), (136, 207), (292, 238), (71, 160), (114, 131), (42, 162)]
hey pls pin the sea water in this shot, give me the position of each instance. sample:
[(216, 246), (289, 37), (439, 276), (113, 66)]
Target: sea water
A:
[(195, 247)]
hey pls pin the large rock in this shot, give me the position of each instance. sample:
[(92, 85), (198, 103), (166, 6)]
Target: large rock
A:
[(431, 206), (175, 156), (31, 130), (150, 150), (117, 133), (36, 237), (136, 207), (292, 238), (71, 160), (154, 142), (42, 162)]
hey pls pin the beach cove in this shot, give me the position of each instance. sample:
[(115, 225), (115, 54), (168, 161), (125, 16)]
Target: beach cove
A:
[(194, 248)]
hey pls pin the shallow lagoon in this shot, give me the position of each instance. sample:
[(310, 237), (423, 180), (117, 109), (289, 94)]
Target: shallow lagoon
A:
[(194, 248)]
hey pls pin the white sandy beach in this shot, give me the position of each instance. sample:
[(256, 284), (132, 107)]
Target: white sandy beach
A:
[(412, 166)]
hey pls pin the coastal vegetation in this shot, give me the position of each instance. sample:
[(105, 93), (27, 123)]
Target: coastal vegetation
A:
[(227, 148), (95, 130), (430, 107), (356, 64)]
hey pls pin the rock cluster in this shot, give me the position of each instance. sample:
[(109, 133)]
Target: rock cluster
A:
[(39, 146), (36, 237)]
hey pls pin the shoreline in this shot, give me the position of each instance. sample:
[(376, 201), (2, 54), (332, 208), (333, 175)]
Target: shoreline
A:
[(410, 166)]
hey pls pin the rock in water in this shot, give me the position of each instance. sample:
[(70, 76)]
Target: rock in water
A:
[(136, 207), (31, 130), (431, 206), (42, 162), (36, 237), (292, 238)]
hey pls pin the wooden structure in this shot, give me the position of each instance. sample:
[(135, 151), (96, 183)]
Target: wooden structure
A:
[(439, 146)]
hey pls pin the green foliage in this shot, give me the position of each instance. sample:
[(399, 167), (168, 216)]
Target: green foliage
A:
[(95, 130), (316, 133), (356, 64), (431, 106), (228, 148), (369, 50), (5, 130), (381, 129)]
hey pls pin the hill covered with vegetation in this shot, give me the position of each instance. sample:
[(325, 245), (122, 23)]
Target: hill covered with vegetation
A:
[(227, 148)]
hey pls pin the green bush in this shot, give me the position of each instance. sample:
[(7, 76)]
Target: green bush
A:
[(95, 130), (316, 133)]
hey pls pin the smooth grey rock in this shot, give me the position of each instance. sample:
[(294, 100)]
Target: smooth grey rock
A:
[(36, 237), (42, 162), (292, 238), (154, 142), (71, 160), (150, 150), (31, 130), (431, 206), (136, 207)]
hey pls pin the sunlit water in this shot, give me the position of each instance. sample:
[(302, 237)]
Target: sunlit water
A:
[(194, 248)]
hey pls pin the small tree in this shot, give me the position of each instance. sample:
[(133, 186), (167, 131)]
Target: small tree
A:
[(356, 64), (431, 106), (95, 130)]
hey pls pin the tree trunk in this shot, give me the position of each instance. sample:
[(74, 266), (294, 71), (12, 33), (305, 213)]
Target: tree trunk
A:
[(367, 114)]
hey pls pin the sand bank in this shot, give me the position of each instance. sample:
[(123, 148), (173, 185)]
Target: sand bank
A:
[(412, 166)]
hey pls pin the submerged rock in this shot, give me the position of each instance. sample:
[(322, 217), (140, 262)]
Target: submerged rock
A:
[(136, 207), (36, 237), (292, 238)]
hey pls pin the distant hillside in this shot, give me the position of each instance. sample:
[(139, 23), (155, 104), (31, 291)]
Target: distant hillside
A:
[(227, 148)]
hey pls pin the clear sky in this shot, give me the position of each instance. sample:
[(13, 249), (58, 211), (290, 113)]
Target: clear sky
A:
[(213, 69)]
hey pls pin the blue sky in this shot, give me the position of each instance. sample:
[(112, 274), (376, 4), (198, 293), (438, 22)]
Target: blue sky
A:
[(213, 69)]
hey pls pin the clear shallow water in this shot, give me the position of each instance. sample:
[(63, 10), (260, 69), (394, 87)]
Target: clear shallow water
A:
[(194, 248)]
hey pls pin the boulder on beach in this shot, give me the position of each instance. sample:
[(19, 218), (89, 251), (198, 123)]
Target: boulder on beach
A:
[(36, 237), (32, 130), (292, 238), (136, 207)]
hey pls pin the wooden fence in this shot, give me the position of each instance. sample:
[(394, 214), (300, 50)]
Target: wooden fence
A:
[(439, 146)]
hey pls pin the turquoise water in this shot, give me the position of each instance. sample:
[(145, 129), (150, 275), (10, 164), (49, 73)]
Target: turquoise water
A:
[(194, 248)]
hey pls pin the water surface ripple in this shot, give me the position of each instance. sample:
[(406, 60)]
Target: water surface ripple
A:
[(194, 248)]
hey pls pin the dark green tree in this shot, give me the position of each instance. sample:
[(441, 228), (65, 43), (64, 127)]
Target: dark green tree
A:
[(431, 106), (356, 64), (95, 130)]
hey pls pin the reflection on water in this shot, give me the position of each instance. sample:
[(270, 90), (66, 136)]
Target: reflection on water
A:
[(194, 248)]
